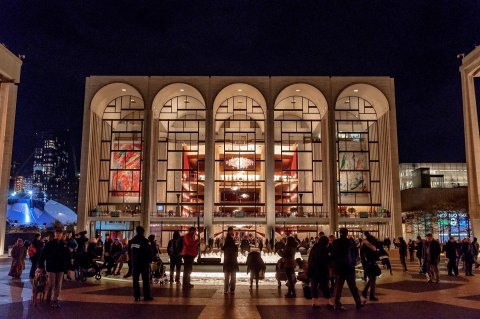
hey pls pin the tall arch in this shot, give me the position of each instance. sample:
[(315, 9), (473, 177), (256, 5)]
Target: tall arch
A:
[(239, 117), (298, 176)]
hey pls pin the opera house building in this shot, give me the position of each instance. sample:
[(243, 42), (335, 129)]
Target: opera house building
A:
[(269, 155)]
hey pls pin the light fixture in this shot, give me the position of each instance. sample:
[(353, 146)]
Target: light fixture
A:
[(244, 196), (239, 90), (124, 90), (347, 101), (356, 91), (182, 90), (234, 188), (240, 162), (297, 90)]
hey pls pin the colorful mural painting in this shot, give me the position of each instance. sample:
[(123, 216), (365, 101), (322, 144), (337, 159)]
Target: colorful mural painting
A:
[(126, 168)]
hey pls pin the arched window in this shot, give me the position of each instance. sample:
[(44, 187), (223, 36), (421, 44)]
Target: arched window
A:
[(121, 155), (358, 163), (181, 158), (298, 158), (239, 158)]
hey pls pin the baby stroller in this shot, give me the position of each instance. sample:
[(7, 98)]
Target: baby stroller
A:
[(158, 273), (85, 266)]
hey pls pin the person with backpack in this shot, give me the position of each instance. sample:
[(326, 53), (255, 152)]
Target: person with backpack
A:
[(174, 250), (189, 252), (345, 255), (34, 251)]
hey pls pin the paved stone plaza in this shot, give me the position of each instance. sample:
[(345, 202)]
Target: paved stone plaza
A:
[(403, 295)]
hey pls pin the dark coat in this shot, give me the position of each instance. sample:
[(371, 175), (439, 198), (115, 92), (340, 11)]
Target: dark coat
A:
[(402, 248), (318, 262), (230, 249), (451, 249), (255, 262), (288, 255), (341, 247), (140, 252), (56, 256)]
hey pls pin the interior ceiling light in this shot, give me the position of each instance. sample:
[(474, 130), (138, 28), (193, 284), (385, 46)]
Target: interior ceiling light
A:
[(240, 162), (356, 91), (297, 90), (244, 196), (239, 90), (124, 90), (182, 90), (234, 188)]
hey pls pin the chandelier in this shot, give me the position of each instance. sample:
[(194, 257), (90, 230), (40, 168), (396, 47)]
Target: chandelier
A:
[(240, 162)]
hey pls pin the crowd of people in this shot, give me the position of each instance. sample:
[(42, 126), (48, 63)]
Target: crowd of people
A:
[(331, 261)]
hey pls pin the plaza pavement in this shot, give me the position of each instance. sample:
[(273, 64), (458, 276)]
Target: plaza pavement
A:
[(403, 295)]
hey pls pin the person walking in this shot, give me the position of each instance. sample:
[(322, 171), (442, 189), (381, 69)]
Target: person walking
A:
[(468, 256), (451, 252), (411, 250), (476, 248), (345, 255), (431, 258), (230, 262), (140, 259), (369, 253), (174, 250), (189, 252), (55, 258), (288, 256), (402, 249), (318, 271)]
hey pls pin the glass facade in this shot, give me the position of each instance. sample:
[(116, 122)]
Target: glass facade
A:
[(239, 158), (440, 175)]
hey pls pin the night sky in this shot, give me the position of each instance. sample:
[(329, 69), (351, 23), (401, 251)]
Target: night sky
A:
[(416, 42)]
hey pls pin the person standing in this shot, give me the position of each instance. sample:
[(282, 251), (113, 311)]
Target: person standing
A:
[(387, 242), (34, 251), (255, 265), (288, 256), (55, 258), (345, 254), (370, 256), (230, 262), (140, 258), (19, 253), (174, 250), (189, 252), (419, 253), (260, 245), (402, 249), (476, 248), (431, 258), (318, 271), (411, 250), (451, 252), (468, 255)]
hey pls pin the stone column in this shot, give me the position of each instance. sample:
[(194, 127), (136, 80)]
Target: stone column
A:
[(270, 171), (469, 68), (148, 150), (208, 207), (330, 182), (8, 100)]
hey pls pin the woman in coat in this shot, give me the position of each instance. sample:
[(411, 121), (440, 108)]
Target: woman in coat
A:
[(255, 265), (19, 253), (230, 262), (288, 256), (318, 271)]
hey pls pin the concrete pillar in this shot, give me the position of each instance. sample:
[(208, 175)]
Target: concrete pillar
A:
[(329, 160), (471, 65), (209, 171), (148, 167), (8, 100), (270, 171)]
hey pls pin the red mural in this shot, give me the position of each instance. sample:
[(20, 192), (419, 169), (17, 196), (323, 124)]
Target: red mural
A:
[(126, 166)]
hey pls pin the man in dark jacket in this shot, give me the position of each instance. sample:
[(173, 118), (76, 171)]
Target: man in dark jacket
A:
[(431, 257), (451, 250), (345, 254), (402, 249), (230, 262), (174, 250), (141, 256), (56, 256)]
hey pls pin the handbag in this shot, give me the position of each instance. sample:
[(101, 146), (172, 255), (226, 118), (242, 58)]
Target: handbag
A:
[(307, 292), (374, 270), (261, 274)]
